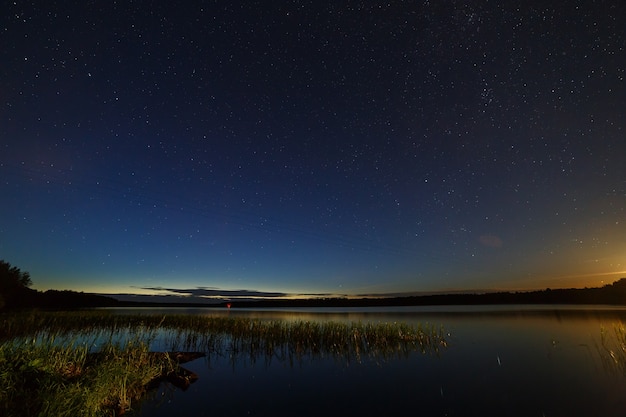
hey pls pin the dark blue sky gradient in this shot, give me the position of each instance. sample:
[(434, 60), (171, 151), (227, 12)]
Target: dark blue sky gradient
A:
[(313, 147)]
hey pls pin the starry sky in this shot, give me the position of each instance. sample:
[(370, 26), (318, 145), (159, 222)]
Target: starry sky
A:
[(312, 148)]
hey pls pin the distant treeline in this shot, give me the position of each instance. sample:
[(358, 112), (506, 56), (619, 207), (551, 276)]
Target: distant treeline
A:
[(15, 294), (609, 294), (52, 299)]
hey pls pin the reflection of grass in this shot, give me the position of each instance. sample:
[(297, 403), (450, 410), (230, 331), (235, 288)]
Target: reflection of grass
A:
[(47, 368), (612, 348)]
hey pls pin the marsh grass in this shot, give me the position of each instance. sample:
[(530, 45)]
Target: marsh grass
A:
[(236, 335), (45, 378), (612, 348), (93, 363)]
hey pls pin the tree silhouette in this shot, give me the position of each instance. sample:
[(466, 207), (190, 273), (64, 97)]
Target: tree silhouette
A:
[(12, 278), (14, 285)]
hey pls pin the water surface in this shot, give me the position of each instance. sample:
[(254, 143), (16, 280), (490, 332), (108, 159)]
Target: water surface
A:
[(501, 361)]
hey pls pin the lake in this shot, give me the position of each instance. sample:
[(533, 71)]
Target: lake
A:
[(501, 361)]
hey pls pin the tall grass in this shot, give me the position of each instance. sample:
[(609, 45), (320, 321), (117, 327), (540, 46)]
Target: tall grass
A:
[(235, 334), (94, 363), (43, 378), (612, 348)]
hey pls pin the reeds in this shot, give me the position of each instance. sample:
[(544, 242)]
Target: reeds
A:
[(44, 378), (55, 363), (234, 334), (612, 348)]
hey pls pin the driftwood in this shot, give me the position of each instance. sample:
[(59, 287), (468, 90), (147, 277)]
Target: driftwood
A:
[(179, 376)]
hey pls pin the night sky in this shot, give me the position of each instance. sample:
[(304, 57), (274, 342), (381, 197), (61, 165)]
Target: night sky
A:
[(313, 148)]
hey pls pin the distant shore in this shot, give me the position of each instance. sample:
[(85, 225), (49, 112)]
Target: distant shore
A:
[(610, 294)]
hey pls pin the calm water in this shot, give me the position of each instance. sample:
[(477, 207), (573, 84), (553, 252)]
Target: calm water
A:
[(502, 361)]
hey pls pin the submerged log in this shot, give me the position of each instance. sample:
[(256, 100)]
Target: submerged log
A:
[(179, 376), (182, 357)]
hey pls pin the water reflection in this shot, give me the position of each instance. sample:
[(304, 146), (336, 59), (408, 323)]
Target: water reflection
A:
[(505, 361)]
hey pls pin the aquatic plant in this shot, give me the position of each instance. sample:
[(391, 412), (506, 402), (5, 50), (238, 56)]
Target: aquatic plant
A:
[(612, 348), (236, 335)]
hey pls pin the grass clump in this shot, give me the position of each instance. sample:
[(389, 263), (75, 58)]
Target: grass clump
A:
[(46, 379), (344, 341)]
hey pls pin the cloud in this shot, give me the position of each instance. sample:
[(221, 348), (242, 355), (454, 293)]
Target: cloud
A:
[(211, 292), (491, 241)]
